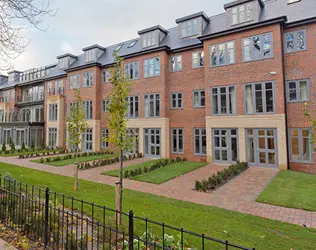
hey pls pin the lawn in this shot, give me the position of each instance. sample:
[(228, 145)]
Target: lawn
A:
[(161, 175), (291, 189), (73, 160), (246, 230)]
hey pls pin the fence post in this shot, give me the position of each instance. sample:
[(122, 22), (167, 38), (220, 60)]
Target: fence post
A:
[(130, 230), (46, 217)]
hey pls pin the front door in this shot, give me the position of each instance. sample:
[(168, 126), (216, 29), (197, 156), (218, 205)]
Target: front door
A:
[(152, 142), (262, 147)]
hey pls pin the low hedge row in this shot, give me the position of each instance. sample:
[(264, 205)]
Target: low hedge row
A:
[(73, 156), (152, 166), (221, 177), (105, 162), (42, 153)]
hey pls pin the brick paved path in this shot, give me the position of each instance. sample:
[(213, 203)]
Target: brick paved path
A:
[(237, 195)]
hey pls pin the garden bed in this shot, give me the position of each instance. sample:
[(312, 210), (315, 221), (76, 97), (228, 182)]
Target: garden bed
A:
[(157, 171), (221, 177)]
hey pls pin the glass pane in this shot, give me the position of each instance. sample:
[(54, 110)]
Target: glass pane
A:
[(261, 132), (271, 143), (295, 149), (267, 46), (262, 157), (216, 142), (256, 48), (213, 55), (290, 42), (306, 149), (269, 101), (259, 102), (294, 132), (301, 40), (217, 155), (303, 91), (250, 131), (224, 155), (271, 158), (224, 141), (234, 149), (262, 142), (292, 91), (214, 103), (305, 133), (251, 152), (249, 106)]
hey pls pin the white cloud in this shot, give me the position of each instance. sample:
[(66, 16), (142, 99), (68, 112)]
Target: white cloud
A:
[(65, 47)]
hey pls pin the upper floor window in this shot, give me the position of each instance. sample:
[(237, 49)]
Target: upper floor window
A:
[(52, 112), (149, 39), (49, 86), (259, 98), (105, 135), (132, 44), (198, 99), (176, 100), (152, 105), (88, 109), (74, 81), (223, 100), (152, 67), (197, 59), (87, 79), (257, 47), (132, 110), (241, 13), (189, 28), (90, 55), (222, 54), (298, 91), (63, 63), (176, 63), (59, 85), (300, 145), (105, 104), (73, 107), (295, 41), (106, 76), (131, 70)]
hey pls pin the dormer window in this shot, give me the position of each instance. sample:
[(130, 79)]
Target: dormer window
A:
[(152, 36), (90, 55), (11, 77), (149, 39), (189, 28), (242, 13), (63, 63)]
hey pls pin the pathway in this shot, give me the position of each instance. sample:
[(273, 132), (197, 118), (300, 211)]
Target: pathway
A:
[(237, 195)]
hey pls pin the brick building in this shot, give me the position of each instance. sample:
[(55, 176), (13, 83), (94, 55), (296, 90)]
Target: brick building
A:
[(222, 88)]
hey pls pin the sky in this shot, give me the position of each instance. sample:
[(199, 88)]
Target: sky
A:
[(81, 23)]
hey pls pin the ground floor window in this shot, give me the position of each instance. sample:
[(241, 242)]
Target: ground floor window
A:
[(300, 146), (52, 137), (225, 145), (36, 135), (133, 133), (104, 135), (177, 140), (200, 141), (6, 136), (262, 147), (87, 140), (152, 146), (20, 137)]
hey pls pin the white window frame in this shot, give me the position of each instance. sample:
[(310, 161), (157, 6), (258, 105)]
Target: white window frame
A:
[(104, 105), (90, 55), (190, 28), (88, 109), (241, 13), (104, 134), (52, 137)]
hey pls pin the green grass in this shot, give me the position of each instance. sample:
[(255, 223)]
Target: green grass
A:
[(291, 189), (73, 160), (246, 230), (160, 175)]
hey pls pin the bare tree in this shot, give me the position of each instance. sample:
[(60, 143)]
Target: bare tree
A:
[(16, 16)]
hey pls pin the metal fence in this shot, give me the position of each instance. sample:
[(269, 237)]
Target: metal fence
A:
[(58, 221)]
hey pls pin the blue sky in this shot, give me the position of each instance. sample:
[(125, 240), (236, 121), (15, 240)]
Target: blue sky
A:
[(80, 23)]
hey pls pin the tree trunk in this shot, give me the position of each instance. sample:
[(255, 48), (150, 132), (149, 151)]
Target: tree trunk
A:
[(76, 171), (121, 184)]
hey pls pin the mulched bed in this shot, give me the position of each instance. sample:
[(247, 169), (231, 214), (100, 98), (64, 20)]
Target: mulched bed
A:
[(18, 240)]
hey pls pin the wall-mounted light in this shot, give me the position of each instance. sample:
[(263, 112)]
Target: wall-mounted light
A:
[(273, 73)]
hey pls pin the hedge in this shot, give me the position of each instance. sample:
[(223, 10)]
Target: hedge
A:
[(71, 156), (221, 177), (42, 153), (105, 162), (151, 167)]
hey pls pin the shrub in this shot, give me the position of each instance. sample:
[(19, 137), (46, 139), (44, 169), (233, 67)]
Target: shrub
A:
[(23, 146), (126, 173), (4, 148), (42, 160)]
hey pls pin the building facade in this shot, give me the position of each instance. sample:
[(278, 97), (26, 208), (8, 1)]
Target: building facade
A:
[(223, 88)]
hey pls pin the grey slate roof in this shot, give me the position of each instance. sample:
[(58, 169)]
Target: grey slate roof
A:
[(273, 9)]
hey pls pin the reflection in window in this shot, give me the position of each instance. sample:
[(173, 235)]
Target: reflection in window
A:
[(222, 54), (295, 41), (257, 47), (298, 91)]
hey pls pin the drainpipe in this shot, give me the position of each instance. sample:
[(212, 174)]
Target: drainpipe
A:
[(285, 102)]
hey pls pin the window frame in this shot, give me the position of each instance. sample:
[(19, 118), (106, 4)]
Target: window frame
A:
[(155, 106), (53, 112), (52, 132), (300, 144), (245, 5), (200, 135), (219, 100), (178, 151), (200, 98), (89, 112), (177, 98), (297, 89), (90, 55), (225, 53), (262, 57), (105, 77), (188, 26), (176, 69), (104, 133), (156, 66), (132, 44), (91, 77), (134, 101), (104, 105), (253, 99), (295, 41), (71, 80), (127, 74), (199, 56)]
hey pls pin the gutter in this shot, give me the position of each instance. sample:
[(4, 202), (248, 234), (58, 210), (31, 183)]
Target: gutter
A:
[(301, 22), (281, 19)]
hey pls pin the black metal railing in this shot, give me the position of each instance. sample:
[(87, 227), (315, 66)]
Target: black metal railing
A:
[(21, 117), (58, 221), (25, 98), (55, 91)]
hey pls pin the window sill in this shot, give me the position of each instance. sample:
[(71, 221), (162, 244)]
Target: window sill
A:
[(260, 59), (176, 108), (297, 51), (298, 101), (223, 65), (202, 107), (88, 86), (199, 154), (223, 114), (145, 77), (263, 113), (177, 153), (301, 162), (200, 67), (176, 71)]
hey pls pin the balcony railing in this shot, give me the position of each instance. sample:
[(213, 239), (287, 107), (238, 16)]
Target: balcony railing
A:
[(31, 98), (4, 99), (55, 91), (21, 117)]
